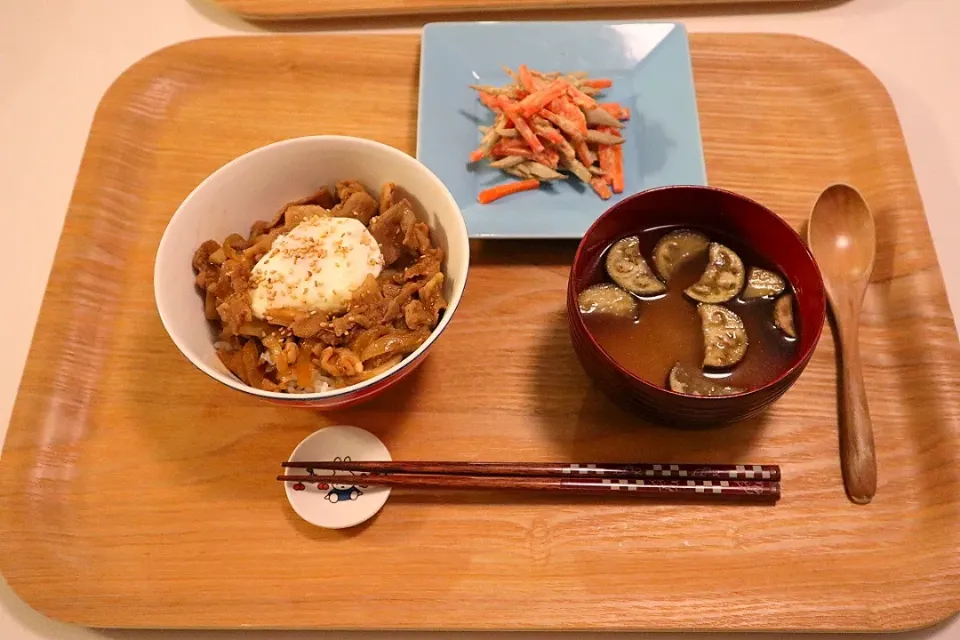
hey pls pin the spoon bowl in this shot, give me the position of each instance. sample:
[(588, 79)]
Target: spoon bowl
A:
[(842, 236)]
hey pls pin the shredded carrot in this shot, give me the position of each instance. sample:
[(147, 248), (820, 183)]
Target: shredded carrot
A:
[(563, 106), (506, 148), (489, 100), (615, 109), (579, 98), (527, 80), (597, 83), (495, 193), (613, 131), (542, 117), (523, 127), (575, 122), (618, 177), (611, 160), (538, 100), (548, 157), (608, 159), (599, 185), (573, 112)]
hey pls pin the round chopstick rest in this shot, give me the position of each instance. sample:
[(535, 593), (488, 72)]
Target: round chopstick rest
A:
[(344, 501)]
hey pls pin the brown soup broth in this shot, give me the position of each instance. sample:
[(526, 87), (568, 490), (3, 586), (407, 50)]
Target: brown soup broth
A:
[(668, 329)]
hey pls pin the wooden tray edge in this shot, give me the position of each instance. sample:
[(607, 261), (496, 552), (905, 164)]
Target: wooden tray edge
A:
[(940, 617), (127, 82)]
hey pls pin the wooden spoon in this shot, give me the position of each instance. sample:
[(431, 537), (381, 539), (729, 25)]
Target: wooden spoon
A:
[(842, 236)]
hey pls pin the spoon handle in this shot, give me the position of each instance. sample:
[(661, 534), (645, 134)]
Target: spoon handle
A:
[(857, 455)]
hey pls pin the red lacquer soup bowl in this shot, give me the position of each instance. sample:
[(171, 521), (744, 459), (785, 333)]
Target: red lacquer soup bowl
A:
[(725, 214)]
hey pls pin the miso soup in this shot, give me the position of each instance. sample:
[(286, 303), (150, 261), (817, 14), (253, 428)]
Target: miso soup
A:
[(692, 311)]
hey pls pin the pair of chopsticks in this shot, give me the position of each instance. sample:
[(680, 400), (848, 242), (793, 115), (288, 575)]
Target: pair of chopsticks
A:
[(698, 481)]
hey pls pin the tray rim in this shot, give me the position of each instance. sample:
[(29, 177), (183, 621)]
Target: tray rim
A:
[(119, 86)]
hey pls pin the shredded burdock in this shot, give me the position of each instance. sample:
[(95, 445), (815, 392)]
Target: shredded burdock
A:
[(298, 349), (549, 126)]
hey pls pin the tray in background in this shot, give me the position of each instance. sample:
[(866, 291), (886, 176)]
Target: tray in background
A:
[(320, 9), (136, 492)]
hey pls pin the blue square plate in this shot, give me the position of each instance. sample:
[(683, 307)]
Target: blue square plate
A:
[(649, 64)]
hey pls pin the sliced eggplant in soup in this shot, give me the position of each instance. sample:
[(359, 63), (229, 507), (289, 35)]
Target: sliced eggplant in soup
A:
[(677, 247), (722, 279), (693, 383), (627, 268), (724, 337), (783, 315), (608, 299), (762, 283)]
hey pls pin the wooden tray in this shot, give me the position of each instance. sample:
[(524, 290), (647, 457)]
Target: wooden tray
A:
[(136, 492), (319, 9)]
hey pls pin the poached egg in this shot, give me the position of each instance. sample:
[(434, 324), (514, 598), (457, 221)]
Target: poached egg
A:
[(315, 267)]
